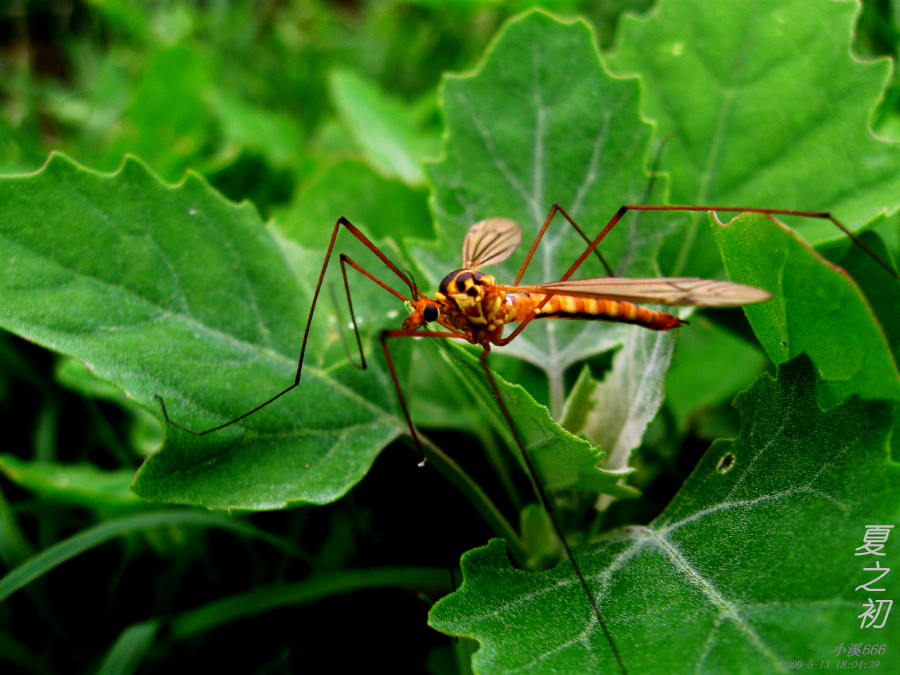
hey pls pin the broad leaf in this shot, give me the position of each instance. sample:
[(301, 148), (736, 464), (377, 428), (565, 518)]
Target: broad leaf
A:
[(384, 207), (214, 334), (542, 122), (381, 126), (622, 406), (762, 104), (752, 563), (146, 434), (564, 461), (817, 310), (173, 291), (83, 485), (881, 290), (709, 365)]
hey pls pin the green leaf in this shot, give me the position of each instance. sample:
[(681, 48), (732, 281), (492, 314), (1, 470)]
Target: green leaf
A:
[(173, 291), (82, 485), (880, 288), (564, 461), (153, 126), (540, 122), (266, 598), (709, 365), (381, 126), (629, 398), (14, 545), (273, 134), (760, 555), (130, 650), (65, 550), (762, 104), (146, 435), (383, 206), (817, 309)]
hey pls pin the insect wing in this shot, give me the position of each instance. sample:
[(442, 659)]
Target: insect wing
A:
[(490, 241), (659, 291)]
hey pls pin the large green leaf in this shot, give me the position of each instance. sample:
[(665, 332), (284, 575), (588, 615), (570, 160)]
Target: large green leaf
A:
[(881, 291), (762, 104), (621, 407), (83, 485), (382, 127), (564, 461), (356, 191), (708, 367), (540, 122), (751, 565), (543, 623), (194, 300), (173, 291), (817, 309)]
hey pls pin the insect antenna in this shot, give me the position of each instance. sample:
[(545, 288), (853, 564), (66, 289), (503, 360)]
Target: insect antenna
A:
[(413, 287)]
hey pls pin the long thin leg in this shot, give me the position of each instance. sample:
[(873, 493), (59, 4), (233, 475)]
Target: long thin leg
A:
[(387, 335), (727, 209), (649, 207), (344, 260), (540, 235), (587, 239), (548, 505), (444, 464), (532, 470)]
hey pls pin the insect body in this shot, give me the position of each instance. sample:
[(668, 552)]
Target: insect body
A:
[(472, 303)]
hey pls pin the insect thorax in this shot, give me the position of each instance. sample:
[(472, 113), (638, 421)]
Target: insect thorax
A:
[(472, 301)]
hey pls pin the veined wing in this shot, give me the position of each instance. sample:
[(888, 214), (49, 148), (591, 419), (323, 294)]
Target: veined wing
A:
[(658, 291), (490, 241)]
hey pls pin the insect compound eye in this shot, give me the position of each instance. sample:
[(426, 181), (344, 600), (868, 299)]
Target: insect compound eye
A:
[(430, 313)]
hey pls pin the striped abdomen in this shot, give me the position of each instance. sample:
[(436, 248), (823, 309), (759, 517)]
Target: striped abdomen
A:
[(596, 309)]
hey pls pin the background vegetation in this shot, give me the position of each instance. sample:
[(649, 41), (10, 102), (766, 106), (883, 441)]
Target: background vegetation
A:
[(312, 110)]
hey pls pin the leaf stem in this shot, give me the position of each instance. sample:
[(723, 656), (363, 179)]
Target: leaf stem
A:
[(557, 392)]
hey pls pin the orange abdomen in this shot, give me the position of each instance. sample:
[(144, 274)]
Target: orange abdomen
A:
[(591, 309)]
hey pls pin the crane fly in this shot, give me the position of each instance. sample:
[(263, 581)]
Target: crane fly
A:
[(472, 306)]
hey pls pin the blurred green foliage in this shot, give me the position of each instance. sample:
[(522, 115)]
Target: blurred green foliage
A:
[(252, 95)]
